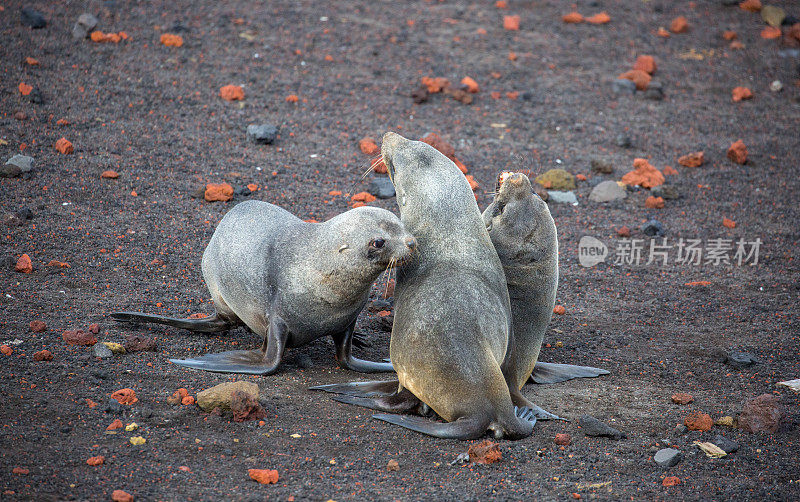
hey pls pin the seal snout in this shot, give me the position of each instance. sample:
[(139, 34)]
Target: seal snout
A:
[(411, 244)]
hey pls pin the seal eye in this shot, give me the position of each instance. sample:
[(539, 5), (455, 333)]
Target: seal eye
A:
[(377, 243)]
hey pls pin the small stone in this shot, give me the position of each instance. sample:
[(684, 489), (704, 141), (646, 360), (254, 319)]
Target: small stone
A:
[(671, 481), (263, 134), (263, 476), (604, 166), (623, 141), (725, 421), (694, 159), (653, 228), (740, 94), (666, 192), (607, 191), (654, 202), (392, 465), (772, 15), (655, 91), (121, 496), (24, 265), (131, 427), (115, 348), (101, 351), (668, 457), (563, 439), (125, 396), (559, 197), (741, 360), (78, 337), (776, 86), (737, 152), (623, 86), (23, 162), (43, 355), (243, 405), (682, 398), (221, 396), (624, 231), (644, 174), (113, 406), (595, 428), (137, 440), (698, 421), (761, 414), (10, 171), (218, 192), (381, 187), (85, 24), (485, 452), (137, 343), (33, 18), (725, 444)]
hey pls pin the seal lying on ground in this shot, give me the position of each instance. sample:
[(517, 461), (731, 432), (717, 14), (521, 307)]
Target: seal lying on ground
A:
[(524, 234), (451, 336), (291, 282)]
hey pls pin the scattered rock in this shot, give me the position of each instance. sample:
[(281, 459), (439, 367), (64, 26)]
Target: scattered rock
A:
[(738, 152), (24, 264), (10, 171), (511, 23), (116, 424), (559, 197), (595, 428), (78, 337), (43, 355), (750, 5), (726, 421), (221, 396), (638, 77), (654, 202), (470, 85), (125, 396), (773, 15), (671, 481), (263, 134), (381, 187), (666, 192), (485, 452), (85, 24), (607, 191), (655, 91), (572, 18), (599, 18), (604, 166), (138, 343), (776, 86), (653, 228), (563, 439), (741, 360), (668, 457), (115, 348), (741, 93), (698, 421), (392, 465), (137, 440), (64, 146), (365, 197), (21, 471), (113, 407), (94, 461), (710, 449), (109, 174), (790, 384), (623, 86), (171, 40), (23, 162), (218, 192), (231, 93), (557, 179), (245, 407), (624, 231), (646, 64), (622, 141), (121, 496), (679, 25), (32, 18), (643, 174), (682, 398), (761, 414), (101, 351), (263, 476), (725, 444), (694, 159)]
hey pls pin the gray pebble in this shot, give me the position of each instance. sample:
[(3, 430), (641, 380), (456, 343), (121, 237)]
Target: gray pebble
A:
[(653, 228), (381, 187), (263, 134), (23, 162), (665, 191), (559, 197), (725, 444), (32, 17), (654, 91), (594, 427), (85, 24), (607, 191), (668, 457), (741, 360), (623, 86), (101, 351), (623, 141)]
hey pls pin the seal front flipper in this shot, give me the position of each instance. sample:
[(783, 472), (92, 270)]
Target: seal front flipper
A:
[(344, 354), (554, 373), (361, 389), (255, 362), (211, 324), (522, 403), (462, 428)]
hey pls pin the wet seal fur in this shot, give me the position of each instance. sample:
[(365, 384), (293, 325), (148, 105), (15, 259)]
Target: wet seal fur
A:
[(291, 282), (524, 234), (451, 337)]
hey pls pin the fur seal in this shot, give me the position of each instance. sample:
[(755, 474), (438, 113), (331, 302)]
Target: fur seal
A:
[(451, 337), (524, 235), (291, 282)]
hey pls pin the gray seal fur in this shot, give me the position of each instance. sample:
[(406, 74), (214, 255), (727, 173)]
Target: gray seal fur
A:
[(291, 281)]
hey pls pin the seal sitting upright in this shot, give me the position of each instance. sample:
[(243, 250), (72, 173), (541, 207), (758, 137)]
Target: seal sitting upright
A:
[(524, 234), (291, 282), (452, 322)]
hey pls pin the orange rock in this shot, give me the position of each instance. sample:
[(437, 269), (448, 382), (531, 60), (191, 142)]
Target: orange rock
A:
[(59, 264), (111, 174), (740, 93), (728, 223), (601, 18), (559, 309), (188, 400), (679, 25), (437, 142), (671, 481), (512, 95), (485, 452), (645, 64), (335, 192), (292, 98), (37, 326), (771, 32), (512, 56), (358, 204), (738, 152), (6, 350), (64, 146), (98, 460), (252, 187), (20, 470), (43, 355), (435, 84), (178, 396), (116, 424), (643, 174), (572, 18), (31, 61), (501, 4), (736, 45), (729, 35), (121, 496), (662, 32), (698, 283), (580, 177), (511, 22), (562, 439), (624, 231), (231, 92), (495, 95), (97, 36), (171, 40), (682, 398), (368, 146), (125, 396), (100, 37), (669, 171), (24, 264), (694, 159), (638, 77), (363, 197), (263, 476), (698, 421), (62, 122), (218, 192), (25, 89), (472, 183), (751, 5), (471, 85), (654, 202)]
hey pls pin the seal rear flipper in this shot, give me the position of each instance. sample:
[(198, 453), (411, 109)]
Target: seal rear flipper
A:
[(361, 389), (402, 402), (462, 428), (344, 354), (522, 403), (554, 373), (211, 324)]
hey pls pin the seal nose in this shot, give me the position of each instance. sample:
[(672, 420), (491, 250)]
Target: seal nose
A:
[(411, 243)]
